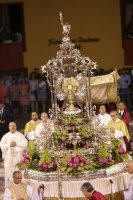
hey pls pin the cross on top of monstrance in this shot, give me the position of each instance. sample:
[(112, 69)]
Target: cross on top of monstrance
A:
[(66, 28)]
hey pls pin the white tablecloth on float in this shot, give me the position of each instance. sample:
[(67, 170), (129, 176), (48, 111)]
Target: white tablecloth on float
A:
[(71, 189)]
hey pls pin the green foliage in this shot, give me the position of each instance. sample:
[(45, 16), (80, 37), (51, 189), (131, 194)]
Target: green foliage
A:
[(115, 152), (86, 133), (59, 134), (103, 153), (45, 157)]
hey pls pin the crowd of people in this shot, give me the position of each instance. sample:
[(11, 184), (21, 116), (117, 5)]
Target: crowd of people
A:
[(24, 94)]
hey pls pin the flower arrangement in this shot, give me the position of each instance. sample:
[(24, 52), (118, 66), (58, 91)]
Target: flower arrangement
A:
[(75, 163), (104, 157), (60, 136), (118, 152), (46, 163), (87, 133), (71, 120), (121, 150), (26, 158), (30, 159)]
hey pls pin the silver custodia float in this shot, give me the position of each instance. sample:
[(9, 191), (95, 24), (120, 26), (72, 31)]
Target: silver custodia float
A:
[(73, 137)]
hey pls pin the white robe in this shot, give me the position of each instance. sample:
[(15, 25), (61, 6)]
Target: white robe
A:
[(32, 194), (12, 155), (104, 119), (128, 195), (40, 128)]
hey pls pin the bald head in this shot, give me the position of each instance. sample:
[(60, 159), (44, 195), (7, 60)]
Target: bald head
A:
[(129, 167)]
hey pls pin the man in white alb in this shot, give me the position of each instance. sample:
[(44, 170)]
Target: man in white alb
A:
[(41, 127), (103, 116), (12, 145)]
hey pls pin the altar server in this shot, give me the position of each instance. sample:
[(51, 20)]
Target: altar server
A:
[(104, 117), (12, 145), (119, 129), (30, 127), (20, 191), (90, 193)]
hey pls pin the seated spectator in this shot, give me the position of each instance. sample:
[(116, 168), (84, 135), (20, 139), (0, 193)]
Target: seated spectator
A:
[(90, 193), (128, 194), (20, 191)]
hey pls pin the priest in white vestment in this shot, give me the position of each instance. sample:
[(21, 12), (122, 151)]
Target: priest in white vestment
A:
[(128, 194), (17, 190), (103, 116), (12, 145), (41, 127)]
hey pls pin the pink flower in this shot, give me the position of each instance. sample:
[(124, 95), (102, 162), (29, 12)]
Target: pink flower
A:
[(110, 159), (81, 164), (81, 158), (45, 166), (74, 165), (87, 162), (26, 155), (62, 138), (87, 136), (121, 150), (51, 164), (69, 159), (72, 122), (26, 161), (70, 164), (74, 155), (76, 160)]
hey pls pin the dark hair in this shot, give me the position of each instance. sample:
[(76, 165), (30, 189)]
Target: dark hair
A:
[(87, 186), (16, 172), (101, 105)]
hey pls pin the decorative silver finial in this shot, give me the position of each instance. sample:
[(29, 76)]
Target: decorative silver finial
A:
[(61, 18), (66, 28)]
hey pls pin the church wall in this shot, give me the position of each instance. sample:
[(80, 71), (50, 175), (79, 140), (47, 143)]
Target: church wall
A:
[(93, 19)]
